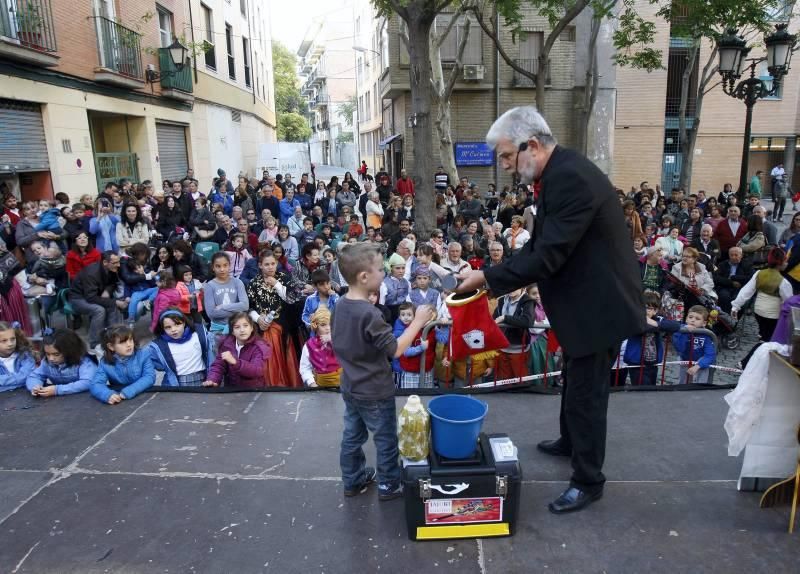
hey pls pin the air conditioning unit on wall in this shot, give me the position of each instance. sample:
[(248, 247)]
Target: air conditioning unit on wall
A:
[(473, 72)]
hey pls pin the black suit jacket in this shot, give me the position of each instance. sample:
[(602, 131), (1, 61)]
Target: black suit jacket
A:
[(581, 257), (722, 277)]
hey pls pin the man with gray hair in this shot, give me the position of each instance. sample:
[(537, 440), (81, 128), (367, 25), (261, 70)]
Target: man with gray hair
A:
[(582, 260)]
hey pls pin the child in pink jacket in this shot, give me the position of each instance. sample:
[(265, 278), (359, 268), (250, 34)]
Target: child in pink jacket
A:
[(242, 356), (168, 296)]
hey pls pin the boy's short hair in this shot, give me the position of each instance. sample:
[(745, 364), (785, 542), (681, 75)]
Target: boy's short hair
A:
[(319, 276), (699, 310), (356, 258), (405, 307), (308, 220), (652, 299)]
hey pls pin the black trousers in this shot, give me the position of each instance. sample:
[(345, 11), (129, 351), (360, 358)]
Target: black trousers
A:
[(583, 419)]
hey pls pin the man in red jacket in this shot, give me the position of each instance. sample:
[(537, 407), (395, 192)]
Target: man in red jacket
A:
[(405, 186), (730, 230)]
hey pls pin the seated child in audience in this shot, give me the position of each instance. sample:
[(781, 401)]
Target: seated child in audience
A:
[(422, 294), (16, 359), (242, 356), (373, 297), (49, 219), (307, 234), (168, 295), (66, 368), (323, 295), (124, 370), (191, 291), (408, 376), (223, 295), (139, 280), (645, 352), (182, 349), (354, 228), (318, 364), (539, 356), (237, 254), (49, 272), (395, 288), (698, 349), (515, 314)]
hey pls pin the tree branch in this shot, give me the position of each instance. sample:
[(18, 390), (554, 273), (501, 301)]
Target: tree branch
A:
[(456, 71), (568, 17), (398, 8), (439, 38), (503, 54), (442, 5)]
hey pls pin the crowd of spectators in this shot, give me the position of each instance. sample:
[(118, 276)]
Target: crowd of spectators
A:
[(246, 274)]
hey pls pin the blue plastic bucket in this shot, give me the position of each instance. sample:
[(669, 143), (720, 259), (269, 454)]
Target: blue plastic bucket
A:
[(456, 422)]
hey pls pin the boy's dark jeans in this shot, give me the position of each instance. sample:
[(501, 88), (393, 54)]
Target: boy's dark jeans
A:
[(379, 418), (648, 375)]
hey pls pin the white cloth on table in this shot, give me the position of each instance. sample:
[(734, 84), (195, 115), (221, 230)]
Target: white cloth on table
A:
[(747, 399)]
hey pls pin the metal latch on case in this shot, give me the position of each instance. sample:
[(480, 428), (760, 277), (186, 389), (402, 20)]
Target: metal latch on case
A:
[(502, 485), (424, 488)]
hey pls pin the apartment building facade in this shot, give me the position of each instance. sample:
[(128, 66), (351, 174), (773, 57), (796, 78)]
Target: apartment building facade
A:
[(646, 144), (486, 88), (327, 71), (88, 93)]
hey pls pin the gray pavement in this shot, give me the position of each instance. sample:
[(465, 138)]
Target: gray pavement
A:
[(249, 482)]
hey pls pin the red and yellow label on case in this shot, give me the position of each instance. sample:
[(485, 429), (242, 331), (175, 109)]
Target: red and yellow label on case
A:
[(463, 510)]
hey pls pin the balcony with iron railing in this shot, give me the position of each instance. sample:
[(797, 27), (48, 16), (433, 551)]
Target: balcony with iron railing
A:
[(27, 32), (120, 53), (175, 84), (532, 66)]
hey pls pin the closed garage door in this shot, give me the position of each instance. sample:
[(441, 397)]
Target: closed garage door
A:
[(172, 153), (22, 143)]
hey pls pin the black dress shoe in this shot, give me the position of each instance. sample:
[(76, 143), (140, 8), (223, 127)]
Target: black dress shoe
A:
[(573, 499), (554, 447)]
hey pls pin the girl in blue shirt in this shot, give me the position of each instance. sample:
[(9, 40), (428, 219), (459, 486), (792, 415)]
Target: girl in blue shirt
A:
[(16, 359), (124, 370), (66, 368)]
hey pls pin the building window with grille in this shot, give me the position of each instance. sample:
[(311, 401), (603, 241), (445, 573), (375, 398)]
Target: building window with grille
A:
[(385, 46), (208, 23), (229, 48), (246, 59), (165, 29)]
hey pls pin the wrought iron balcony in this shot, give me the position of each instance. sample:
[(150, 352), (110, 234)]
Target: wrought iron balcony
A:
[(175, 84), (27, 32), (120, 52)]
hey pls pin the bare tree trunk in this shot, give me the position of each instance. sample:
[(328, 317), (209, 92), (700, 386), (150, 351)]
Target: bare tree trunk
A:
[(688, 137), (443, 90), (685, 176), (419, 18), (590, 88)]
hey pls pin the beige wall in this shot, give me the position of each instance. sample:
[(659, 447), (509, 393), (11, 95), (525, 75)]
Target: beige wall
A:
[(639, 126)]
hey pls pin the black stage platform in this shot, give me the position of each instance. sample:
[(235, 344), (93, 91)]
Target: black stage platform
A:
[(240, 483)]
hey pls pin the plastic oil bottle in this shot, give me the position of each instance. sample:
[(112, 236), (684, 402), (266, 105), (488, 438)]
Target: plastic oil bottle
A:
[(414, 430)]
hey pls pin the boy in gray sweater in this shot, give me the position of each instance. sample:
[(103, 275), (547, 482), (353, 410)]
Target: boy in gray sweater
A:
[(363, 343)]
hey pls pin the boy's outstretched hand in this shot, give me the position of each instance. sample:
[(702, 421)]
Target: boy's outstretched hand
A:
[(425, 314)]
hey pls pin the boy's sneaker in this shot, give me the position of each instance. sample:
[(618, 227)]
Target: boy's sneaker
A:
[(369, 478), (386, 493)]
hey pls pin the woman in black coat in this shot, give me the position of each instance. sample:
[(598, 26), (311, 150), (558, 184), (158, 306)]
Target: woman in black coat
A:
[(169, 216), (183, 254)]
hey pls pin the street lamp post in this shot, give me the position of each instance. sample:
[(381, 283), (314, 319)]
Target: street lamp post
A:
[(733, 52)]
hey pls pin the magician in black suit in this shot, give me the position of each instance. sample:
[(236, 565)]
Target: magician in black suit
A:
[(580, 256)]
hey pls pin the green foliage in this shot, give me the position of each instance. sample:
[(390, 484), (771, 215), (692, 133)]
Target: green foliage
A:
[(287, 90), (292, 127), (632, 39), (709, 18), (345, 137), (347, 109)]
